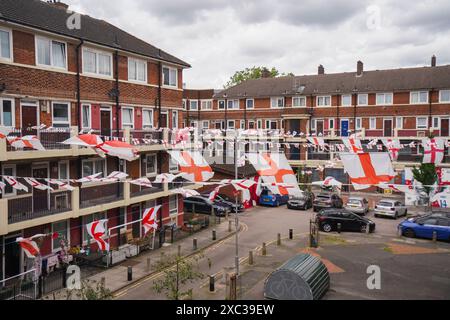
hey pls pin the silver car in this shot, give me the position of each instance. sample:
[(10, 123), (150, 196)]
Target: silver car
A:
[(358, 205), (390, 208)]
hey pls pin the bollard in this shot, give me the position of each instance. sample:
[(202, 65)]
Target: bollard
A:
[(339, 227), (291, 234), (279, 239), (212, 286), (130, 273), (214, 235), (264, 249), (368, 229), (194, 244), (230, 223), (148, 264), (179, 250), (434, 236), (250, 257)]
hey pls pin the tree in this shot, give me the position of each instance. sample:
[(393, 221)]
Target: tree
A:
[(426, 174), (253, 73)]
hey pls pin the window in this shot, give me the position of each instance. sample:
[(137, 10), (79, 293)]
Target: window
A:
[(277, 102), (346, 100), (86, 116), (331, 124), (206, 104), (127, 118), (363, 99), (94, 166), (61, 115), (358, 124), (174, 119), (250, 103), (51, 53), (384, 98), (7, 112), (63, 170), (184, 104), (422, 123), (233, 104), (97, 62), (88, 219), (8, 170), (205, 124), (436, 122), (170, 76), (419, 97), (373, 123), (5, 44), (323, 101), (313, 124), (444, 96), (299, 101), (230, 124), (221, 104), (173, 205), (399, 122), (147, 118), (137, 70), (259, 124), (193, 105), (62, 229), (173, 165), (151, 166), (271, 124)]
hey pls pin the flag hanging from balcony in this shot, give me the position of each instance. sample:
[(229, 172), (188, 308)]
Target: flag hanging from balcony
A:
[(328, 182), (65, 185), (97, 230), (275, 169), (149, 219), (115, 176), (91, 178), (4, 132), (320, 142), (142, 182), (433, 150), (36, 184), (31, 142), (193, 165), (166, 177), (213, 195), (116, 148), (13, 182), (353, 144), (186, 193), (368, 169), (393, 146), (398, 188), (84, 140), (30, 246)]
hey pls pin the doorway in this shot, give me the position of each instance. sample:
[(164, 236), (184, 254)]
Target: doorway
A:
[(319, 127), (40, 197), (387, 131), (105, 122), (344, 127), (30, 118), (11, 257), (164, 120), (445, 127)]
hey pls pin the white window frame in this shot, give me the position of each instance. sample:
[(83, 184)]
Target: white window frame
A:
[(269, 122), (203, 124), (174, 211), (363, 95), (253, 104), (372, 126), (417, 123), (397, 119), (67, 230), (232, 127), (318, 98), (208, 103), (163, 78), (137, 62), (14, 172), (129, 125), (234, 102), (218, 104), (438, 119), (358, 127), (276, 100), (440, 96), (418, 93), (342, 100), (299, 98), (145, 125), (13, 112), (11, 51), (313, 124), (155, 172), (67, 163), (174, 119), (384, 94), (97, 52), (90, 115), (69, 113), (36, 39), (95, 160), (190, 105)]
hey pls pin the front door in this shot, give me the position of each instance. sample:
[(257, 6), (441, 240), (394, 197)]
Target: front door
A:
[(136, 215), (444, 127), (12, 257), (164, 120), (319, 127), (344, 128), (105, 123), (40, 197), (388, 127), (29, 120)]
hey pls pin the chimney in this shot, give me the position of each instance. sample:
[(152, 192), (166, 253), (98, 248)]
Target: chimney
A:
[(58, 4), (265, 73), (433, 61), (359, 68), (321, 69)]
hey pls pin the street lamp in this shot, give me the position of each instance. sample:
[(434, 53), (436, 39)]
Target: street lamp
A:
[(226, 128)]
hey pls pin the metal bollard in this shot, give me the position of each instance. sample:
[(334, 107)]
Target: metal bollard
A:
[(368, 229), (264, 249), (291, 234), (250, 257), (339, 227), (148, 264), (214, 235), (279, 239), (230, 224), (179, 250), (434, 236), (130, 273), (212, 284), (194, 244)]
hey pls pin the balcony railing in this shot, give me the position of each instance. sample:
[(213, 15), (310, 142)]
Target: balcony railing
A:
[(50, 138), (100, 194), (137, 191)]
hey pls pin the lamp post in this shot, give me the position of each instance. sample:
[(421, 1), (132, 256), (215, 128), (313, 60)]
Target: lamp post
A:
[(226, 128), (236, 209)]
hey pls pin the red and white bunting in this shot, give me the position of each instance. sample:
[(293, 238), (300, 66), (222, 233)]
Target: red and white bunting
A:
[(84, 140), (13, 182), (353, 144), (115, 176), (433, 150), (4, 132), (149, 222), (186, 193), (393, 146), (97, 230), (398, 188), (36, 184), (166, 177), (320, 142), (213, 195), (91, 178), (31, 142), (328, 182), (65, 185), (2, 187), (142, 182), (119, 149)]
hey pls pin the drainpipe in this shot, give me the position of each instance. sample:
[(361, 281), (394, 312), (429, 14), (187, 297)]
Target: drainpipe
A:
[(198, 109), (159, 93), (159, 153), (355, 98), (117, 93), (78, 48), (337, 125), (430, 113)]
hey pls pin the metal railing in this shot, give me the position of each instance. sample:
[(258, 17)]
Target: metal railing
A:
[(101, 194), (136, 191)]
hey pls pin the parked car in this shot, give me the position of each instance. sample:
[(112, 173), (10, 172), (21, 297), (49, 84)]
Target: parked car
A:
[(268, 198), (327, 200), (390, 208), (200, 204), (424, 227), (328, 220), (358, 205), (227, 202), (303, 202)]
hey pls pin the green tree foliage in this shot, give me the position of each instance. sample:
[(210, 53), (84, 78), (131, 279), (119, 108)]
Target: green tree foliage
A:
[(426, 174), (253, 73)]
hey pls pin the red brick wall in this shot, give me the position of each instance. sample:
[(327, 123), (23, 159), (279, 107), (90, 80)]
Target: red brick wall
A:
[(23, 48)]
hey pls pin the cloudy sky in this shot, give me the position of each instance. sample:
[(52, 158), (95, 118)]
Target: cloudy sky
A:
[(219, 37)]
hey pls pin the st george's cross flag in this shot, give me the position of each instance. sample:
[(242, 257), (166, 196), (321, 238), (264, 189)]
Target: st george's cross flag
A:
[(353, 144), (64, 185), (433, 150), (186, 193), (36, 184), (149, 222), (193, 165), (13, 182), (368, 169), (30, 246), (393, 146), (320, 142), (97, 230)]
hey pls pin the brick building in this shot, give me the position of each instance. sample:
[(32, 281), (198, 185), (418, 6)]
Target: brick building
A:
[(97, 78)]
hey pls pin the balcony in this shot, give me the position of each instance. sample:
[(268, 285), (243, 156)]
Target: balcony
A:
[(137, 191), (100, 194)]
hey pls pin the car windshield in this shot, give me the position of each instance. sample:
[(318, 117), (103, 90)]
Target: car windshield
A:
[(300, 198), (354, 201), (385, 204)]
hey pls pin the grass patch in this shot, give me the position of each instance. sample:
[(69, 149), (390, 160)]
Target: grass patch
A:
[(332, 240), (388, 249)]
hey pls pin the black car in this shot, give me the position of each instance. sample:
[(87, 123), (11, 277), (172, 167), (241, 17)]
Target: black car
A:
[(303, 202), (200, 204), (327, 200), (226, 202), (329, 220)]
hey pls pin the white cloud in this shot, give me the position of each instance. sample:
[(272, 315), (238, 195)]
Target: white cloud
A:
[(220, 37)]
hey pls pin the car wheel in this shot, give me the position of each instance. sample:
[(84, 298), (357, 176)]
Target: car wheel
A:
[(326, 227), (409, 233)]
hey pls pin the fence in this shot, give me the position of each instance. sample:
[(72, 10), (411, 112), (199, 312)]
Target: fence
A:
[(20, 287)]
